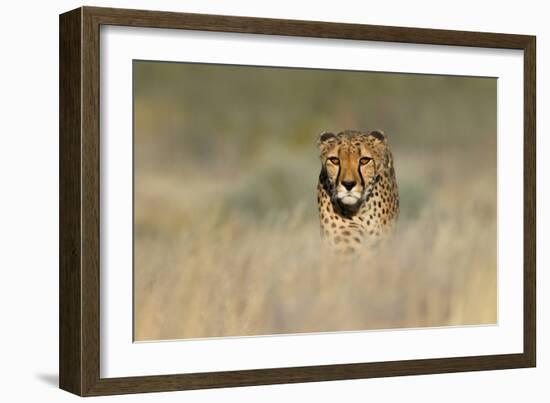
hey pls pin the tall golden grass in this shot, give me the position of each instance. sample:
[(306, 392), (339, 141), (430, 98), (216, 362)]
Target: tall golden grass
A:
[(205, 270)]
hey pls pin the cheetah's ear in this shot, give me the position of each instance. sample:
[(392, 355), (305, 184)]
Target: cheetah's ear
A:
[(378, 134), (326, 136), (325, 140)]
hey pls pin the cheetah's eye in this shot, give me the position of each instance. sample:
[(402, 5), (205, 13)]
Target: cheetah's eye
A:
[(365, 160), (334, 160)]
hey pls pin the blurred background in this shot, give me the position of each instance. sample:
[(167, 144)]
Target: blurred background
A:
[(226, 225)]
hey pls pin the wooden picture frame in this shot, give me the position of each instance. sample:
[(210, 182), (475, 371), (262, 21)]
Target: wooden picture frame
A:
[(79, 348)]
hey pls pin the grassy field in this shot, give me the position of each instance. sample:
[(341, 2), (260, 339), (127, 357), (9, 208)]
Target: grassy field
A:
[(226, 227)]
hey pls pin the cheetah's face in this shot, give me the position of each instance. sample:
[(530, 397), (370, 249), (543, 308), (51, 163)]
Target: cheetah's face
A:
[(350, 162)]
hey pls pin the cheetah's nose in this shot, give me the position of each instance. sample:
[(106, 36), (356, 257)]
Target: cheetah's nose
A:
[(348, 184)]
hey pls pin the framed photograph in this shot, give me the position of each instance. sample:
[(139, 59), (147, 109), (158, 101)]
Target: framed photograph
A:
[(248, 201)]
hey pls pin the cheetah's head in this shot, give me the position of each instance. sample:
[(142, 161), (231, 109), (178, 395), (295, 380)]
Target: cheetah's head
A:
[(351, 163)]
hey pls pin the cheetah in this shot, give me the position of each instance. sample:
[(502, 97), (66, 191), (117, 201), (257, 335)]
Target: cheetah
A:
[(357, 191)]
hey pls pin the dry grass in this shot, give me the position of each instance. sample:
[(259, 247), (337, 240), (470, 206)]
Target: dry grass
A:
[(203, 270)]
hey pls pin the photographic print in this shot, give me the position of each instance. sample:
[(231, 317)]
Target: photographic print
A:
[(250, 201), (273, 200)]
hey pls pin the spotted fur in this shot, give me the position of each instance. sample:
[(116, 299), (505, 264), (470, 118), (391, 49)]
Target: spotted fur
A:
[(357, 191)]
